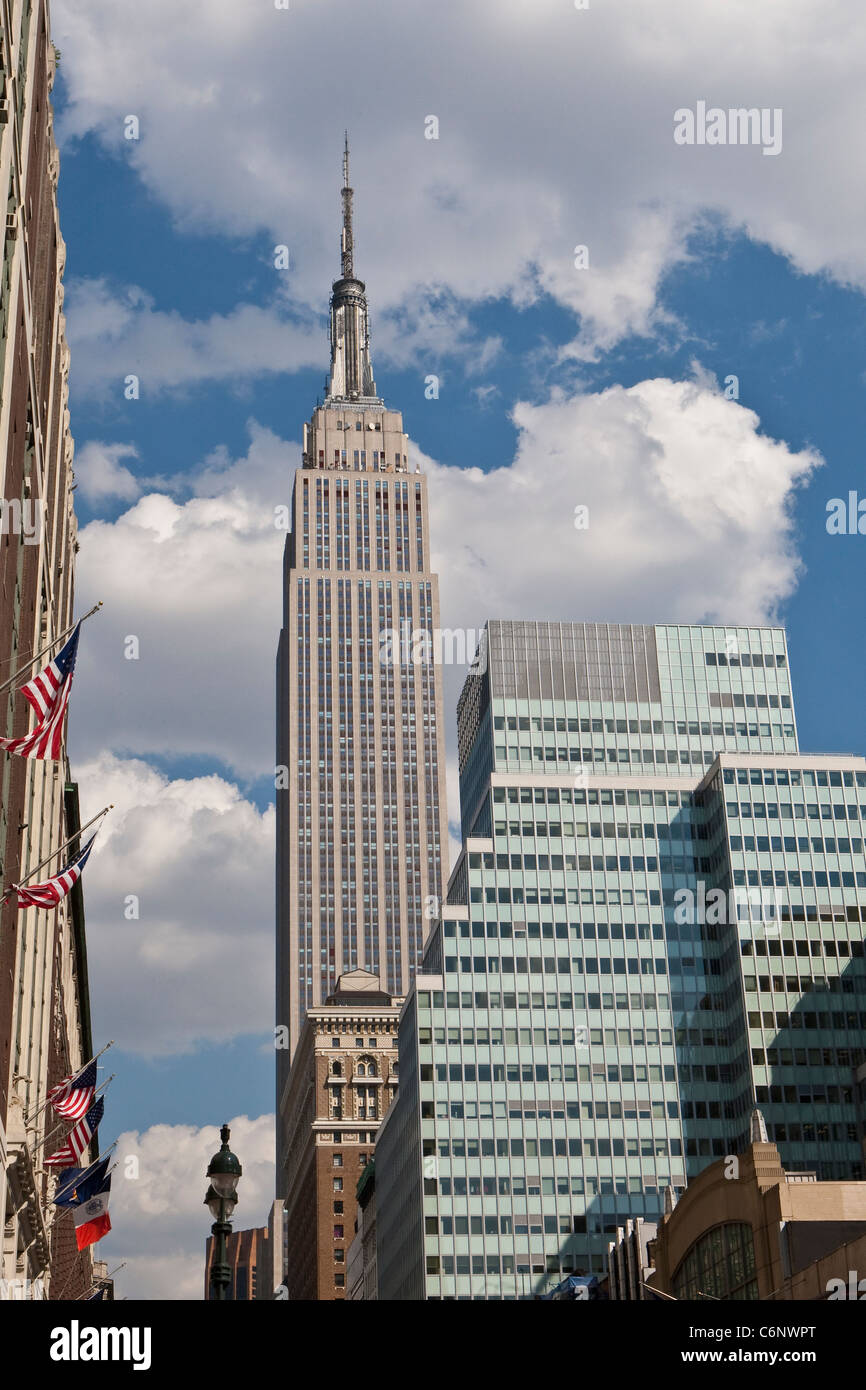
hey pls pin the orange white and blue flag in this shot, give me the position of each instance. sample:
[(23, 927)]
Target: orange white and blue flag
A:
[(92, 1221)]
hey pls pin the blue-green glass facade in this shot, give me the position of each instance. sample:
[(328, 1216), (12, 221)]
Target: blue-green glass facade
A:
[(656, 922)]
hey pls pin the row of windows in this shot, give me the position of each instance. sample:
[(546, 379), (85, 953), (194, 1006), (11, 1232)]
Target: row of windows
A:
[(364, 1068), (639, 864), (774, 659), (583, 1037), (826, 1056), (604, 1188), (798, 810), (492, 1264), (636, 1147), (466, 999), (780, 984), (558, 897), (563, 1072), (790, 844), (603, 796), (521, 723), (667, 757), (488, 1186), (798, 878), (681, 865), (607, 796), (633, 828), (359, 459), (835, 1020), (481, 1071), (793, 777), (616, 931), (797, 913), (533, 1111), (363, 1106), (574, 965), (679, 827), (802, 948), (601, 931), (587, 1184)]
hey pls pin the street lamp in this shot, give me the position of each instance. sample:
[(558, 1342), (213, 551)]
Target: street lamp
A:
[(221, 1199)]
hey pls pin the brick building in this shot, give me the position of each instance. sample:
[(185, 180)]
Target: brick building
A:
[(343, 1078)]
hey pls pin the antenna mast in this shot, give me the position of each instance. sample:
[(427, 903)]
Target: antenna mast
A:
[(347, 247)]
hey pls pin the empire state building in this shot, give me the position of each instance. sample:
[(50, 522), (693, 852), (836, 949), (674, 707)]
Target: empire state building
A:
[(361, 819)]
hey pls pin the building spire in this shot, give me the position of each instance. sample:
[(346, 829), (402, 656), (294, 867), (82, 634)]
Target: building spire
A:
[(351, 369), (347, 246)]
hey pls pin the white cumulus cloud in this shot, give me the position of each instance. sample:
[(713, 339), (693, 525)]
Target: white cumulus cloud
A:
[(101, 473), (689, 513), (554, 129), (196, 583), (159, 1221), (118, 333), (179, 908)]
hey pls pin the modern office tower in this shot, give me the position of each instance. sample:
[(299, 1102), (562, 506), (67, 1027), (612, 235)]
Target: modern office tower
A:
[(655, 923), (361, 822), (44, 1016), (343, 1079)]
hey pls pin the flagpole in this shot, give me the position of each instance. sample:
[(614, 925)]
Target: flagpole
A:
[(49, 1135), (74, 1077), (77, 1122), (53, 643), (97, 1282), (59, 850)]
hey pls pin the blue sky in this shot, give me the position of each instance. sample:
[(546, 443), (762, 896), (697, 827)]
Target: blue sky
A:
[(700, 271)]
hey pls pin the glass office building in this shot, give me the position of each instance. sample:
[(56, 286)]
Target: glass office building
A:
[(655, 923)]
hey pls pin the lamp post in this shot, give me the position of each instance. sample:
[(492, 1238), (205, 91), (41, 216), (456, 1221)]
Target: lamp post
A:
[(221, 1199)]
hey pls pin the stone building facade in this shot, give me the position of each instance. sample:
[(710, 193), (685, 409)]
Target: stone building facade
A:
[(44, 1017)]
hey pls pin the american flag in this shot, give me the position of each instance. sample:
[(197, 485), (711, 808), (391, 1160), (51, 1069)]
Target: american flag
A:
[(78, 1138), (48, 693), (50, 893), (73, 1097)]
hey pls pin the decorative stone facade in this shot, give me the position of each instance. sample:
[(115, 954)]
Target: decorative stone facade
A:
[(343, 1079)]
